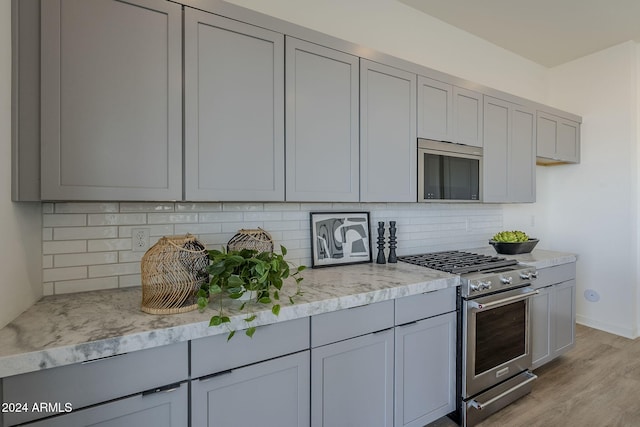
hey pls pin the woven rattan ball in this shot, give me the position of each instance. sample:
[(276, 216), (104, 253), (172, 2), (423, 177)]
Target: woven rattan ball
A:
[(256, 239), (172, 272)]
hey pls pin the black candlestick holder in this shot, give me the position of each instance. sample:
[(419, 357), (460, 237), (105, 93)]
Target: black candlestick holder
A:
[(381, 259), (392, 242)]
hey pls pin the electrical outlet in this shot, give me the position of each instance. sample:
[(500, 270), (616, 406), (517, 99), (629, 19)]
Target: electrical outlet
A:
[(140, 239)]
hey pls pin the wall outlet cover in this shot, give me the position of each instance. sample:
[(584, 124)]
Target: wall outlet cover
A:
[(140, 239)]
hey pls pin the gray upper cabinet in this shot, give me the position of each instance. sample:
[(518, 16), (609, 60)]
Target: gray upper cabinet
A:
[(111, 100), (467, 117), (322, 125), (509, 152), (558, 139), (234, 110), (435, 109), (449, 113), (388, 143)]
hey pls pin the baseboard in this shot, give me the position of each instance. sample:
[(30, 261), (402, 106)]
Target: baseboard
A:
[(631, 333)]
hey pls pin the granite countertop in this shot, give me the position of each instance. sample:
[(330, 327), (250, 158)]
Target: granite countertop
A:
[(65, 329)]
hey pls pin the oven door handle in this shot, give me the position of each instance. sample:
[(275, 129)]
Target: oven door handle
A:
[(508, 300), (481, 405)]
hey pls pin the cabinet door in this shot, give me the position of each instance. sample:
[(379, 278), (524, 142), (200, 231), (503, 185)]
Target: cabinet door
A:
[(111, 100), (352, 382), (435, 110), (165, 408), (234, 110), (388, 143), (425, 382), (564, 312), (541, 326), (497, 120), (467, 117), (509, 152), (274, 393), (557, 138), (522, 156), (322, 124), (568, 144)]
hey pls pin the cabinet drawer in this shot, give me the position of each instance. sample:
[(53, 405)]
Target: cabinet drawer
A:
[(422, 306), (340, 325), (96, 381), (556, 274), (215, 354)]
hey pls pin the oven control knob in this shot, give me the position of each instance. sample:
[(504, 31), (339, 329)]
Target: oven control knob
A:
[(485, 285), (506, 280), (474, 287), (525, 275), (534, 274)]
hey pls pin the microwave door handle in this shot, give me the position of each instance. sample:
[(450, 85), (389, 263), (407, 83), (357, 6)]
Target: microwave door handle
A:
[(508, 300)]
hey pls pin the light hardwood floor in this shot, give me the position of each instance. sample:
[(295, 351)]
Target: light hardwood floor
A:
[(595, 384)]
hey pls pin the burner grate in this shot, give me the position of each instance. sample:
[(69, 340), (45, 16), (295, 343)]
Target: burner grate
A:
[(457, 262)]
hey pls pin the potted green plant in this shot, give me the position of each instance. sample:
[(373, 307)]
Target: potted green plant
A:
[(236, 273)]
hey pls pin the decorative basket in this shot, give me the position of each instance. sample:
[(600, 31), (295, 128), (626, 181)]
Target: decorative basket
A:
[(172, 272), (257, 239)]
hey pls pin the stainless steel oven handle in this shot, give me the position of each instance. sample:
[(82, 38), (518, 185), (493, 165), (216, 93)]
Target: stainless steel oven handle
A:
[(481, 405), (515, 298)]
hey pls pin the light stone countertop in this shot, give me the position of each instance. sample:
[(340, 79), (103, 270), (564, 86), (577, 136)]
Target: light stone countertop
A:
[(65, 329)]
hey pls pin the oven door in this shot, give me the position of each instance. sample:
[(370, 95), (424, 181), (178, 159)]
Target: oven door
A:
[(498, 339)]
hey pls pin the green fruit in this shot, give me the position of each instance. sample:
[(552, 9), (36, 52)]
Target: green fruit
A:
[(511, 236)]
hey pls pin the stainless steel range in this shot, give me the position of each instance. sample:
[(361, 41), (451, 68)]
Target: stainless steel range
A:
[(494, 330)]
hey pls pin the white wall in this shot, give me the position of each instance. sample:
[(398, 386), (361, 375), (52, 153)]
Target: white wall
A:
[(20, 224), (592, 208), (402, 31)]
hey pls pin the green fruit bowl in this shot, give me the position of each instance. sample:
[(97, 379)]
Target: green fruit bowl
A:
[(515, 248)]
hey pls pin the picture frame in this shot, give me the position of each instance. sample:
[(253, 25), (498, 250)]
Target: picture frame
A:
[(340, 238)]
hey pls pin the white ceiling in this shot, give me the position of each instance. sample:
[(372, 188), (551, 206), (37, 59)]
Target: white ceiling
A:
[(549, 32)]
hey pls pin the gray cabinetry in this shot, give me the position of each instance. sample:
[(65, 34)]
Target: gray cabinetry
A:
[(274, 393), (388, 144), (96, 381), (553, 314), (322, 125), (111, 100), (271, 370), (163, 408), (558, 139), (352, 367), (234, 110), (435, 109), (449, 113), (509, 152), (425, 357)]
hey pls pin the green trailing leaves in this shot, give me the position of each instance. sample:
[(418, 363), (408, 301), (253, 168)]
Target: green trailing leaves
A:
[(233, 274)]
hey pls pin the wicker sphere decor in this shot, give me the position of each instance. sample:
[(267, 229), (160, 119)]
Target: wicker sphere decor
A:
[(172, 272), (256, 239)]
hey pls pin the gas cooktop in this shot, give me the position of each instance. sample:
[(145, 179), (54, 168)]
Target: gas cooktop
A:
[(457, 262)]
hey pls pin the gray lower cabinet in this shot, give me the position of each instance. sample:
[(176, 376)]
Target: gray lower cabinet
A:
[(558, 139), (553, 314), (322, 123), (140, 380), (425, 382), (274, 393), (388, 147), (509, 152), (352, 382), (234, 110), (163, 408), (111, 100)]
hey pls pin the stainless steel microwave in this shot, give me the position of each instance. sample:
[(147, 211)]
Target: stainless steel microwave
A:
[(449, 172)]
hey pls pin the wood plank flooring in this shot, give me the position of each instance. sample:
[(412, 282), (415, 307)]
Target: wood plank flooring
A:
[(595, 384)]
